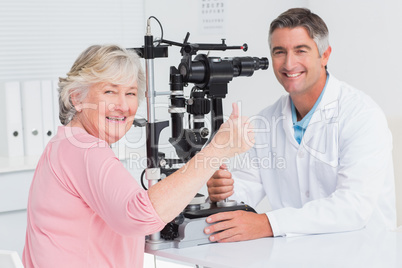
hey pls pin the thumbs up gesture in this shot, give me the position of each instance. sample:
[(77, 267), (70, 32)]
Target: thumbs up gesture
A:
[(235, 136)]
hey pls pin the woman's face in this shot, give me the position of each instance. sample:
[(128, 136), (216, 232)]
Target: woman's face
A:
[(108, 110)]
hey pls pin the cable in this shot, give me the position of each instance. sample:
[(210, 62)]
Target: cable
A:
[(142, 180), (160, 25)]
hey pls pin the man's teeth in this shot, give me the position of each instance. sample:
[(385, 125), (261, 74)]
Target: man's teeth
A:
[(293, 75), (116, 118)]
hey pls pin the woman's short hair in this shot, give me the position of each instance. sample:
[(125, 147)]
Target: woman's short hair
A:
[(303, 17), (99, 63)]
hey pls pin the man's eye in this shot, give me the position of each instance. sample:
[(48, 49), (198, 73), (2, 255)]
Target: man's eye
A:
[(278, 52), (132, 94), (108, 92)]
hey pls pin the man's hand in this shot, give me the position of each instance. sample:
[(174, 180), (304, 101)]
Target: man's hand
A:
[(220, 185), (238, 226)]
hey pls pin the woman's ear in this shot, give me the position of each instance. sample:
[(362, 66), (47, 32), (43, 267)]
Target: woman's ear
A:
[(76, 103)]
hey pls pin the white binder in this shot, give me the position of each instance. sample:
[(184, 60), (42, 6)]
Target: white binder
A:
[(56, 107), (48, 130), (31, 104), (11, 136)]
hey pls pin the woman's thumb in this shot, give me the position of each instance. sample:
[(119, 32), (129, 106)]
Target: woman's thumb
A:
[(235, 111)]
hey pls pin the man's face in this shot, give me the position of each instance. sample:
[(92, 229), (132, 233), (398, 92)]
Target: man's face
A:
[(296, 62)]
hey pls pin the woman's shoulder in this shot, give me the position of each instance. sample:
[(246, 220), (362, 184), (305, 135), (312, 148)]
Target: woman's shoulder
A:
[(75, 149), (78, 138)]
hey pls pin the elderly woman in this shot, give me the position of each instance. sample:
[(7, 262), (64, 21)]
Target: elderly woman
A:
[(84, 208)]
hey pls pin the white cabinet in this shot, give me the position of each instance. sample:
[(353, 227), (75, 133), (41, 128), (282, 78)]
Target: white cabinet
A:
[(15, 179), (12, 230)]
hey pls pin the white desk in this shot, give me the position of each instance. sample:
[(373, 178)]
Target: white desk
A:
[(352, 249)]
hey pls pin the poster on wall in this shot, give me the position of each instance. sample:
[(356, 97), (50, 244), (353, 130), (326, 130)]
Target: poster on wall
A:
[(212, 16)]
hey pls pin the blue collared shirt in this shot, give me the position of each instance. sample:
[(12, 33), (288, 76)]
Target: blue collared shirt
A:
[(301, 126)]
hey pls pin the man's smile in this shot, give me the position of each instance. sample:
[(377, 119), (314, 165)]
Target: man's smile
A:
[(294, 75)]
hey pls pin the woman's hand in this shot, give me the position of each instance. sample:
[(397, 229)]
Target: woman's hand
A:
[(235, 136)]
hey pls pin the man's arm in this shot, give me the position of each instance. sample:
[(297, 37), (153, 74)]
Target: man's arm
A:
[(236, 225)]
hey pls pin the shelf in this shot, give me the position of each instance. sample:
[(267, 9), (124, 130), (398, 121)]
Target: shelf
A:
[(15, 164)]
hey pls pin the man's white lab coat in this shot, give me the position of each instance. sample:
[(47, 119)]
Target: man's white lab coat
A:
[(339, 178)]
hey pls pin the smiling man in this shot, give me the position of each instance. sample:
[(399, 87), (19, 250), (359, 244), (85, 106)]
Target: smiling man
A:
[(337, 173)]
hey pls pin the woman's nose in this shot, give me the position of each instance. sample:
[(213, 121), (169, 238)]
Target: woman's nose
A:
[(120, 104)]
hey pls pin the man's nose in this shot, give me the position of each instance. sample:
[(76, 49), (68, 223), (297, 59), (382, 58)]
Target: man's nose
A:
[(290, 61)]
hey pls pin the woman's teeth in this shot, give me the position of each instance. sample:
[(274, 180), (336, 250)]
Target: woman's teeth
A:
[(120, 119)]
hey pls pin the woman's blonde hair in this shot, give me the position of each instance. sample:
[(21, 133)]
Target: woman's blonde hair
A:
[(99, 63)]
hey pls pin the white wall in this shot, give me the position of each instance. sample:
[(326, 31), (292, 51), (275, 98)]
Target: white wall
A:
[(366, 38), (245, 23)]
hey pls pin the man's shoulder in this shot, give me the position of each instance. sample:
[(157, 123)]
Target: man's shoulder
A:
[(276, 108), (354, 100), (349, 93), (350, 100), (358, 109)]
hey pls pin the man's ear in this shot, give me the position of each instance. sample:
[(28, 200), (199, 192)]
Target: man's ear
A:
[(325, 56)]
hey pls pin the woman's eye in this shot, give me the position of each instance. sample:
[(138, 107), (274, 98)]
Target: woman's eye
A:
[(132, 93)]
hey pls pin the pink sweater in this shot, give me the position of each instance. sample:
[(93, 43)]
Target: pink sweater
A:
[(84, 207)]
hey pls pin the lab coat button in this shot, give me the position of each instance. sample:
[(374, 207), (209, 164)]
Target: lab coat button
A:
[(300, 154)]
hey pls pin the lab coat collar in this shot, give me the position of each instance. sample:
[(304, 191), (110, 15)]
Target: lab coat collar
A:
[(327, 110), (321, 137), (287, 122), (328, 107)]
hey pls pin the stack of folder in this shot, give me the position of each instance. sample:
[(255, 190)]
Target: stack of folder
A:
[(28, 116)]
